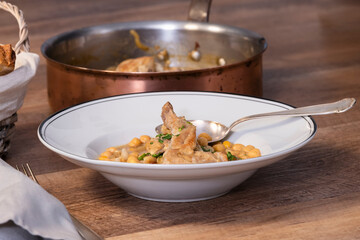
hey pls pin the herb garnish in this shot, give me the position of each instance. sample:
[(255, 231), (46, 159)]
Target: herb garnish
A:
[(163, 137), (205, 149), (230, 156), (157, 155), (141, 157), (167, 136)]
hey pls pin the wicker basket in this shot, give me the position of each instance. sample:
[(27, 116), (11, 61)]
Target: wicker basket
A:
[(7, 125)]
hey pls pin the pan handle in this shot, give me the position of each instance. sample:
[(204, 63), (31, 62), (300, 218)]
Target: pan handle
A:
[(199, 10)]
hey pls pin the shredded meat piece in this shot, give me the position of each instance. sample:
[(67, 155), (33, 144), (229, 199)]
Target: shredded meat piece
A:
[(140, 64), (154, 146), (172, 156), (183, 142), (145, 64), (184, 133)]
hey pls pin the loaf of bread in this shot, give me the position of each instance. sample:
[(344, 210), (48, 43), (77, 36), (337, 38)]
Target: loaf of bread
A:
[(7, 59)]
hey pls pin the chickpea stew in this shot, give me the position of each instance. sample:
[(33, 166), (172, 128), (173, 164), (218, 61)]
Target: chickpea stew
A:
[(177, 144)]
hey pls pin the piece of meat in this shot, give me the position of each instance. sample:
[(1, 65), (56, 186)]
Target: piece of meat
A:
[(183, 148), (154, 146), (140, 64), (184, 133), (172, 156)]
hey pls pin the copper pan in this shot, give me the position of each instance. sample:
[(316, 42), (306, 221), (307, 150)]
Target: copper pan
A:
[(76, 60)]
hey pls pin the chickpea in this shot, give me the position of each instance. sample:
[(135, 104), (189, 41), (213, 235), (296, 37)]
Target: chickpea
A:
[(195, 55), (219, 147), (135, 154), (135, 142), (241, 155), (103, 158), (238, 147), (132, 149), (205, 135), (254, 153), (116, 154), (111, 149), (163, 55), (124, 154), (140, 148), (149, 159), (132, 159), (202, 141), (106, 154), (248, 148), (221, 61), (227, 144), (233, 152), (144, 138)]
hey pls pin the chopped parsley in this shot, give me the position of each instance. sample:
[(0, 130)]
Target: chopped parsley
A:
[(163, 137), (230, 156), (167, 136), (141, 157), (205, 149), (157, 155), (181, 128)]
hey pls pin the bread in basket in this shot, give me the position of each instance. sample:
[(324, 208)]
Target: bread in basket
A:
[(17, 67)]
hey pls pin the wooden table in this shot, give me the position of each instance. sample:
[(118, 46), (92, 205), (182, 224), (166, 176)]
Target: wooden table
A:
[(313, 57)]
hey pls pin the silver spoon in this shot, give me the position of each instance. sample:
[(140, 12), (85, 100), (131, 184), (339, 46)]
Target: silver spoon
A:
[(218, 131)]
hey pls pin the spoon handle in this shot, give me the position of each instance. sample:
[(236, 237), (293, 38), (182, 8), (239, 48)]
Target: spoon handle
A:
[(321, 109)]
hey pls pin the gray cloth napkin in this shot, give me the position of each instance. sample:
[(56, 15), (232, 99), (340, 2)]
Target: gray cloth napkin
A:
[(27, 211)]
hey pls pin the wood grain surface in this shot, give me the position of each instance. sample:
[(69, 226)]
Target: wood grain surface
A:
[(313, 57)]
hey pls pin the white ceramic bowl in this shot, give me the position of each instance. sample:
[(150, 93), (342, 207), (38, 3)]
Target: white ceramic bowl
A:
[(80, 133)]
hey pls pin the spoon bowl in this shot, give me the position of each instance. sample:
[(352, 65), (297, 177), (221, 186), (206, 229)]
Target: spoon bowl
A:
[(218, 131), (215, 129)]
